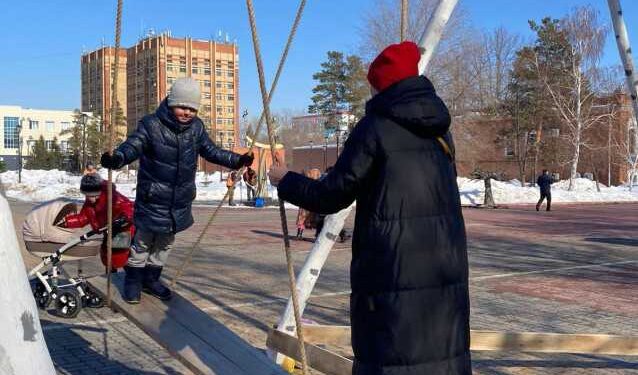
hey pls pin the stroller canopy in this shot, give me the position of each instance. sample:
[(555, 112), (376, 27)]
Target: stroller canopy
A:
[(39, 225)]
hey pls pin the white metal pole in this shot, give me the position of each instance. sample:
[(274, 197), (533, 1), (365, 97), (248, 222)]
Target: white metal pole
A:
[(433, 31), (22, 346), (310, 272), (622, 40)]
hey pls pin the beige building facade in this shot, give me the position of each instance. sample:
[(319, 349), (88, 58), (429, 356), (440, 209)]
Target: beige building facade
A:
[(22, 127)]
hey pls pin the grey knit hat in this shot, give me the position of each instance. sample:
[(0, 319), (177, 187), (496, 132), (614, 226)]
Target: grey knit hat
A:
[(185, 92)]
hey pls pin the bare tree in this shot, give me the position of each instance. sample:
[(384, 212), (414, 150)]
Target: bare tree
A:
[(572, 94), (627, 147)]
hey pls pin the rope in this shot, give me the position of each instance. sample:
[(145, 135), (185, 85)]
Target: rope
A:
[(211, 219), (282, 210), (114, 105), (404, 19)]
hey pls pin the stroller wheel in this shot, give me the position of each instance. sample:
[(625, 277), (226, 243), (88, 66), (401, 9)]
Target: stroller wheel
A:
[(68, 304), (41, 294), (92, 299)]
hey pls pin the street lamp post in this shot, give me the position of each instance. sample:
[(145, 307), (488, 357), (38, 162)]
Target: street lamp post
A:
[(325, 151), (19, 131)]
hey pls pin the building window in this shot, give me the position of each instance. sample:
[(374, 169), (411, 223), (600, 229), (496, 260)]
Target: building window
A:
[(195, 70), (65, 125), (554, 132), (206, 83), (218, 85), (50, 126), (230, 86), (509, 151), (531, 136), (33, 125), (218, 72), (64, 145), (11, 132), (207, 95), (207, 70), (230, 110), (230, 73), (231, 97), (219, 97), (49, 145)]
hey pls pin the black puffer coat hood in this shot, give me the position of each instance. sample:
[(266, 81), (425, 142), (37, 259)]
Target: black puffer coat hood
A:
[(168, 153), (409, 306), (404, 104)]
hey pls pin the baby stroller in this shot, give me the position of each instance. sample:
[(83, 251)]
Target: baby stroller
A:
[(56, 245)]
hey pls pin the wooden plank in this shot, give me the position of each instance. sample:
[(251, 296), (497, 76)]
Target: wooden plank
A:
[(197, 340), (555, 343), (330, 335), (508, 341), (318, 358), (219, 336)]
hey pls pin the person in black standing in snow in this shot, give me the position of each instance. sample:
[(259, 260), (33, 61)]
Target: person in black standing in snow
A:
[(168, 144), (409, 306), (544, 183)]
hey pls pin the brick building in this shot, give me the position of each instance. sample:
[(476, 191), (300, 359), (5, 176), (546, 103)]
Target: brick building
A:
[(604, 155), (609, 144), (97, 76)]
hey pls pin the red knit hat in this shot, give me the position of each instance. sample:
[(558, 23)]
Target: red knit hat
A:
[(395, 63)]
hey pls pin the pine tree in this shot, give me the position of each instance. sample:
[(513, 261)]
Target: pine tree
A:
[(95, 139), (342, 86), (357, 89), (55, 157), (76, 140), (330, 92), (39, 155)]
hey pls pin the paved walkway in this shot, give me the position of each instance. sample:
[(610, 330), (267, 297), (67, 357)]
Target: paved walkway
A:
[(572, 270)]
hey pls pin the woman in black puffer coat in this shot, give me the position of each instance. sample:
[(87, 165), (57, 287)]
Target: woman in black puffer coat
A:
[(409, 273)]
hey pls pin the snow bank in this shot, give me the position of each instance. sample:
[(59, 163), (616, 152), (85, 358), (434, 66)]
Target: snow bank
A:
[(40, 186), (510, 192)]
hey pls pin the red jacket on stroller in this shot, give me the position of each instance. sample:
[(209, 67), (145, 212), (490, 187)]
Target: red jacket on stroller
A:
[(95, 214)]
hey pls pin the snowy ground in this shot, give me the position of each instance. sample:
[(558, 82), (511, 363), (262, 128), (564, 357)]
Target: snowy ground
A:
[(38, 186)]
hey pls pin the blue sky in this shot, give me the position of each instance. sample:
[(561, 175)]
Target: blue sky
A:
[(42, 41)]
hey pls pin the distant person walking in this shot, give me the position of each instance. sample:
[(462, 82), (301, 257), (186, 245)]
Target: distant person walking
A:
[(544, 182), (250, 178), (231, 181)]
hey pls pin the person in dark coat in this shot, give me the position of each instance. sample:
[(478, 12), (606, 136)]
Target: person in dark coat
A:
[(409, 306), (544, 183), (168, 144), (250, 179)]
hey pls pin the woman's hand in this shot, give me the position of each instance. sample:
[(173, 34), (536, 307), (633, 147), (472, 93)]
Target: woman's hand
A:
[(276, 174)]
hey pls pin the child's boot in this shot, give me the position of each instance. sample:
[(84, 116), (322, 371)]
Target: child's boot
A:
[(133, 284), (152, 285)]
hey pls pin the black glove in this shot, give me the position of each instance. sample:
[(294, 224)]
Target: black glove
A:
[(246, 159), (112, 161), (120, 224)]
